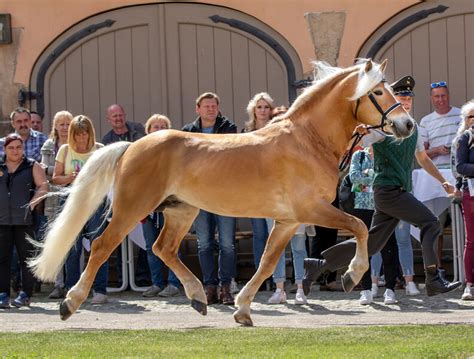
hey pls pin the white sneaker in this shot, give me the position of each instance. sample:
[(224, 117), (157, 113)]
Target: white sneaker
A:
[(389, 297), (278, 297), (467, 295), (411, 289), (99, 298), (234, 289), (375, 290), (300, 298), (366, 297)]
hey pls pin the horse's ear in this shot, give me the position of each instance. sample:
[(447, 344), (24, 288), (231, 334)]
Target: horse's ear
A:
[(383, 65), (368, 65)]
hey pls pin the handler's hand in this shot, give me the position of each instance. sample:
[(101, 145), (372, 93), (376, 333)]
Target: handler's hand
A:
[(362, 129), (449, 188)]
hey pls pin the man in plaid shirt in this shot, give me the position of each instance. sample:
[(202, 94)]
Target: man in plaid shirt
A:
[(33, 140)]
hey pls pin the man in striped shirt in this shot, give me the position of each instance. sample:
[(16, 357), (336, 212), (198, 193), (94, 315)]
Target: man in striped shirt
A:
[(439, 128)]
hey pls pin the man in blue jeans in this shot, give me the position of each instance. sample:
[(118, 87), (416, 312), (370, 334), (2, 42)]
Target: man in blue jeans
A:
[(210, 120)]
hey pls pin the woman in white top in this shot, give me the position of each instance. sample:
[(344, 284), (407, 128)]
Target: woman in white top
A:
[(70, 158)]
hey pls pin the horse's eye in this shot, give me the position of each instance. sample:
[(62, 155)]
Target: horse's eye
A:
[(378, 92)]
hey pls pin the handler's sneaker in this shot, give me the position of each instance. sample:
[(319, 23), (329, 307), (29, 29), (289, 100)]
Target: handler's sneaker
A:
[(4, 300), (300, 298), (467, 295), (389, 297), (279, 297), (99, 298), (22, 300), (366, 297), (169, 291), (411, 289)]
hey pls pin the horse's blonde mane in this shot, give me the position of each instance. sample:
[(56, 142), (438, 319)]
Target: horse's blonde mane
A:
[(324, 73)]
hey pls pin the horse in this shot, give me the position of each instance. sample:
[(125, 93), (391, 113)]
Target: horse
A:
[(287, 171)]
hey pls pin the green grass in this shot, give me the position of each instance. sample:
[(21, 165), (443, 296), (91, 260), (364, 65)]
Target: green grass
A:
[(455, 341)]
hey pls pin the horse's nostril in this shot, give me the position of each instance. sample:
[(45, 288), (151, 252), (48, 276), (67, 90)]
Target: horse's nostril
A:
[(409, 125)]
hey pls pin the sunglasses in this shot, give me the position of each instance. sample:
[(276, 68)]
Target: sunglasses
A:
[(435, 85)]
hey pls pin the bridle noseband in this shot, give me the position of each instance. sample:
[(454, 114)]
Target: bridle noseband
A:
[(356, 136)]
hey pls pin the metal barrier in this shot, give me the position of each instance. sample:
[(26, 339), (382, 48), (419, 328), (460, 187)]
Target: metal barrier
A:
[(458, 235), (128, 269)]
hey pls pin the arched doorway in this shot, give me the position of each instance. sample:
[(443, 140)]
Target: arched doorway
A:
[(433, 41), (158, 58)]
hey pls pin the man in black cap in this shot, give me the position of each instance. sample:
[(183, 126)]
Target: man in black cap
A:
[(403, 91), (393, 202)]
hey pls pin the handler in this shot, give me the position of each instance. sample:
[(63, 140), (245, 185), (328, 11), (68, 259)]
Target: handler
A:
[(393, 202)]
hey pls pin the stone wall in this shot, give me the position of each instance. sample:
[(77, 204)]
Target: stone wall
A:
[(9, 90)]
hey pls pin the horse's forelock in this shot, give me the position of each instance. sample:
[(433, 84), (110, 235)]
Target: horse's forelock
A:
[(323, 70), (367, 80)]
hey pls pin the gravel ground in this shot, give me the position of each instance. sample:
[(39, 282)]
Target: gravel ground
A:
[(129, 310)]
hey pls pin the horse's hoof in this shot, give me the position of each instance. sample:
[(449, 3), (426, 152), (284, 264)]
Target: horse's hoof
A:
[(199, 306), (64, 311), (243, 319), (347, 283)]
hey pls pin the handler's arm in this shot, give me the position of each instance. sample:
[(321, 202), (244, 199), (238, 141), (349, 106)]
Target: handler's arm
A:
[(430, 167)]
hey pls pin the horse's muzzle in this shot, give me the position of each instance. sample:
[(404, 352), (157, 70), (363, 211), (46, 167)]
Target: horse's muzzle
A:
[(402, 127)]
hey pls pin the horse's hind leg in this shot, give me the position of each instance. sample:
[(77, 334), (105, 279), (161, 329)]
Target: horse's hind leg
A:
[(102, 248), (276, 243), (178, 220)]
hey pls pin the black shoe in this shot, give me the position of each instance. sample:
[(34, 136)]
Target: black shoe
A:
[(313, 268), (436, 284)]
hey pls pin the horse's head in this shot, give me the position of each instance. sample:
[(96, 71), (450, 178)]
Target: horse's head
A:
[(375, 104)]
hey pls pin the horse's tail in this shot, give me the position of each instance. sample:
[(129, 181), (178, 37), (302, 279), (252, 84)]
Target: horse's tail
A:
[(84, 197)]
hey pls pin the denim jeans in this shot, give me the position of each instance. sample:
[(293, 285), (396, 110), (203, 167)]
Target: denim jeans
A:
[(298, 249), (151, 230), (405, 249), (205, 225), (259, 239), (376, 264), (93, 229)]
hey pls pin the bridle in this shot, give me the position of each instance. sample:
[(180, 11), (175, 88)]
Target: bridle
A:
[(356, 136)]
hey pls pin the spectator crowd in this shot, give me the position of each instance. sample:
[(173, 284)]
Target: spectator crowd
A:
[(33, 165)]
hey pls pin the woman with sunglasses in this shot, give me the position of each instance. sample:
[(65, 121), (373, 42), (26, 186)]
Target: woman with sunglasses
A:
[(465, 168)]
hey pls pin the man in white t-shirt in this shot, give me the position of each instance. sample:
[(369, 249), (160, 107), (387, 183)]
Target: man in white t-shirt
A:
[(438, 130)]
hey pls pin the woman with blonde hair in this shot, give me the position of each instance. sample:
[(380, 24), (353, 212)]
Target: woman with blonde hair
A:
[(152, 226), (465, 168), (57, 138), (259, 111), (70, 159), (157, 122)]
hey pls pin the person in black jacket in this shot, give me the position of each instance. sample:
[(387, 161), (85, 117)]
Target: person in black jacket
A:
[(22, 181), (210, 120)]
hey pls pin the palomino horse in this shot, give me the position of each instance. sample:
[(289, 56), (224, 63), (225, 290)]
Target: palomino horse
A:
[(287, 171)]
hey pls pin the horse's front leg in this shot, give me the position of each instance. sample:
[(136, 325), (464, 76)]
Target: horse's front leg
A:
[(326, 215), (276, 243)]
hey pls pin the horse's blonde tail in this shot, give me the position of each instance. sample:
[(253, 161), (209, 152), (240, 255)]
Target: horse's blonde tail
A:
[(84, 197)]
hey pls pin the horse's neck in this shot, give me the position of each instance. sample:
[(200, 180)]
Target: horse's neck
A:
[(327, 125)]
